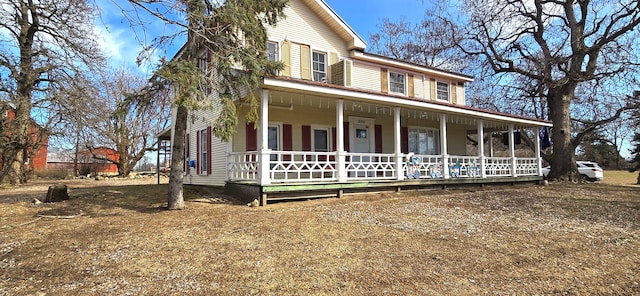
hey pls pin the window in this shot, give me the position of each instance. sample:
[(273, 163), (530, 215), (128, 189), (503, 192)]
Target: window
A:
[(319, 66), (273, 133), (203, 151), (272, 51), (321, 139), (442, 91), (396, 83), (424, 141)]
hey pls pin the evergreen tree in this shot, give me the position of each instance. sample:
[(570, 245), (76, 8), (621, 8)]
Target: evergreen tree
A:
[(233, 37)]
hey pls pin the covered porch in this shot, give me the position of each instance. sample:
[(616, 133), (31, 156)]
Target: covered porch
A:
[(377, 142)]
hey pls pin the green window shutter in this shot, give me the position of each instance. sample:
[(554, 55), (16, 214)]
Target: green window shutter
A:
[(347, 73), (305, 62), (286, 58), (384, 76)]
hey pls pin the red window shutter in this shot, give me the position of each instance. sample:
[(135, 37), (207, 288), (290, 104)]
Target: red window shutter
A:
[(333, 138), (378, 133), (287, 135), (208, 160), (251, 137), (404, 139), (186, 154), (287, 140), (346, 136), (306, 138), (198, 153)]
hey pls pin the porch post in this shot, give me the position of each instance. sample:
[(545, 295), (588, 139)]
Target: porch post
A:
[(443, 146), (341, 155), (512, 151), (483, 174), (263, 131), (396, 147), (537, 143)]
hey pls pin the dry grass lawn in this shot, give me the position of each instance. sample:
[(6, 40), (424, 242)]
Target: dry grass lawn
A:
[(561, 239)]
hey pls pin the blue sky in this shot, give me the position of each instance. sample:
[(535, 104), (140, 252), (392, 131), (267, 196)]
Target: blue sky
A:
[(123, 42)]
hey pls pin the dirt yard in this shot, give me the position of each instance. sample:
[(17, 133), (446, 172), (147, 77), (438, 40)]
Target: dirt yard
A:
[(115, 238)]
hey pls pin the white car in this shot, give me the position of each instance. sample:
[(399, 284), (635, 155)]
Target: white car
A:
[(588, 170)]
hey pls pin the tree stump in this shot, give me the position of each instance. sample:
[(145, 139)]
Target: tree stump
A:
[(57, 193)]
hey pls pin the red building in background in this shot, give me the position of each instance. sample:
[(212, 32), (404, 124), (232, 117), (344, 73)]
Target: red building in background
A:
[(36, 160), (100, 162)]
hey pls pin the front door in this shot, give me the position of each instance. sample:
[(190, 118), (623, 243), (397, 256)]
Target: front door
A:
[(361, 141)]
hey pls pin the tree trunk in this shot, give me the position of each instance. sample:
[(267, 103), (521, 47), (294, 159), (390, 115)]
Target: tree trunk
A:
[(563, 164), (176, 199)]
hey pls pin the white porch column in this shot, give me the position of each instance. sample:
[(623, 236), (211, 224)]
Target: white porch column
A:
[(397, 149), (341, 155), (512, 151), (537, 143), (443, 146), (263, 139), (483, 174)]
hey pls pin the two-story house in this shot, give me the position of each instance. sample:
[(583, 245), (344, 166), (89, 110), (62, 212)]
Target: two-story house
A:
[(339, 119)]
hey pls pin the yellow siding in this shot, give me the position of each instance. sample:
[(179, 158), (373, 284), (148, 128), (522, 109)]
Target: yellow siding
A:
[(418, 82), (347, 79), (366, 76), (296, 68), (303, 26)]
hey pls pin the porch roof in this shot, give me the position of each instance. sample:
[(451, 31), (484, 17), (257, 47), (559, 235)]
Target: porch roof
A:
[(292, 85)]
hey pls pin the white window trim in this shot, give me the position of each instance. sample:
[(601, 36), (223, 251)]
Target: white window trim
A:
[(279, 126), (326, 64), (204, 156), (448, 90), (278, 57), (313, 138), (404, 83)]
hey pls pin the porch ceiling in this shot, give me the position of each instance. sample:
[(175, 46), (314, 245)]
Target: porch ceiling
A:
[(295, 101)]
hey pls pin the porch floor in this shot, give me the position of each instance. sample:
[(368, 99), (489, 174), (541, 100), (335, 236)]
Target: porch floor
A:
[(276, 192)]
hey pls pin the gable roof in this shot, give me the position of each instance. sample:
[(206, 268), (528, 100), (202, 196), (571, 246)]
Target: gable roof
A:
[(336, 23)]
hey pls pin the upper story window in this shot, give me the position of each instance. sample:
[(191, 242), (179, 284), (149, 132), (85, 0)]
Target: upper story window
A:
[(396, 83), (272, 51), (319, 66), (442, 91)]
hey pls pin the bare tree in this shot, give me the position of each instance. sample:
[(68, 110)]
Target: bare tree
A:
[(120, 121), (44, 45), (559, 48)]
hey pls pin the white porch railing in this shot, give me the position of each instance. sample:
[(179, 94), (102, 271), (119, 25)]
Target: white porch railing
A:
[(243, 166), (370, 166), (306, 166), (527, 166), (297, 166), (464, 166), (498, 166), (423, 167)]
